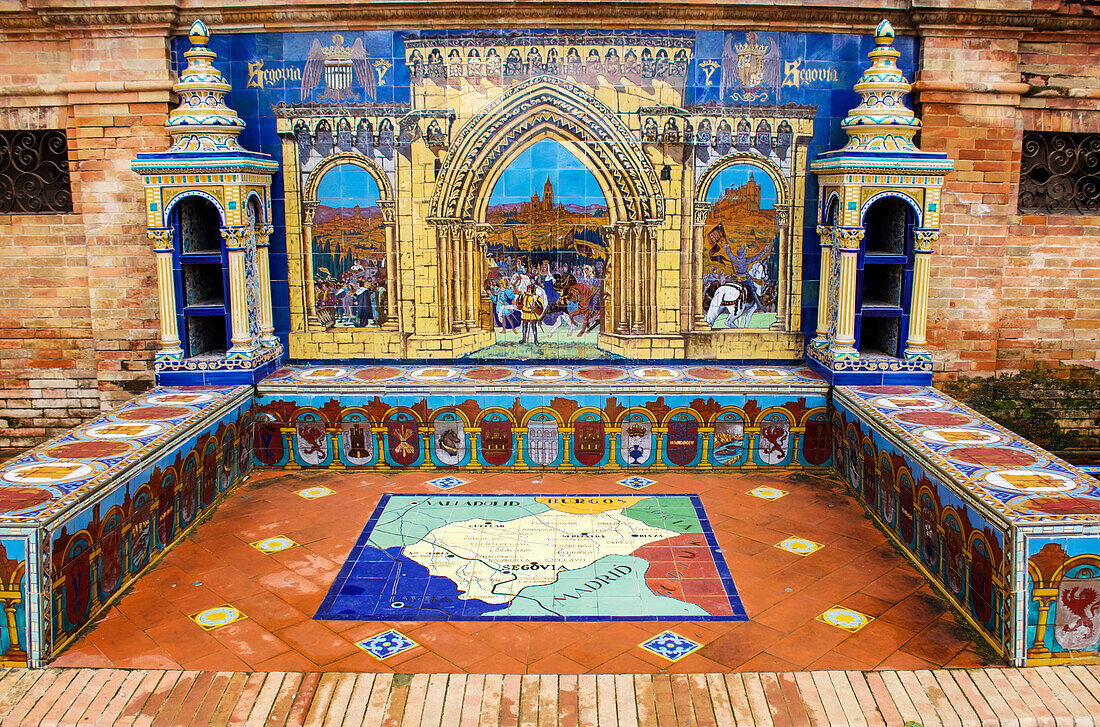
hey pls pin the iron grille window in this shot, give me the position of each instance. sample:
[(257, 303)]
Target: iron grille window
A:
[(1060, 173), (34, 173)]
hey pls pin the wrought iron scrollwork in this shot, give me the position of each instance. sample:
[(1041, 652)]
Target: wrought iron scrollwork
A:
[(34, 173), (1060, 173)]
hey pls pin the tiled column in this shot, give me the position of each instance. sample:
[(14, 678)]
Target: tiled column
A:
[(821, 337), (442, 233), (469, 243), (170, 348), (263, 268), (847, 243), (783, 275), (387, 207), (699, 316), (916, 344), (635, 315), (622, 237), (236, 240), (309, 209), (458, 305)]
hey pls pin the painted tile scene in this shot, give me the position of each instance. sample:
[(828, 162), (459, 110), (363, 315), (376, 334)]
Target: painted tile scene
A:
[(549, 363)]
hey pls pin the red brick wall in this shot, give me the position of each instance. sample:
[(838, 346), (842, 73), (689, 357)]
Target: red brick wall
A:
[(78, 299), (1008, 291)]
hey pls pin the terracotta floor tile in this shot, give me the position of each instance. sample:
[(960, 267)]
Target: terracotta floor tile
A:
[(289, 661), (316, 642), (899, 660), (554, 664), (279, 593), (429, 664), (741, 643), (807, 643), (914, 611), (623, 664), (222, 660), (940, 642), (250, 641)]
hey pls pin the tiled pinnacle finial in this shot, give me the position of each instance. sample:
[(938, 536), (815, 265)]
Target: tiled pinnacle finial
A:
[(203, 122), (882, 122)]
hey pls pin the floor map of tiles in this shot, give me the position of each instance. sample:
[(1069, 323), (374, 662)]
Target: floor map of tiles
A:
[(544, 557)]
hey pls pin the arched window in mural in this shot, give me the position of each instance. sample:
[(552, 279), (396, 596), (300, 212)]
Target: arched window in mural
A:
[(546, 256), (741, 250), (349, 250)]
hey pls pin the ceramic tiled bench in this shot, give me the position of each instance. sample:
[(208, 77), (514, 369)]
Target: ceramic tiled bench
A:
[(1010, 533), (87, 512)]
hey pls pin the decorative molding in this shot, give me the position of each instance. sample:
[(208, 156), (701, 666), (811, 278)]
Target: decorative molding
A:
[(925, 239), (848, 239), (161, 238), (235, 238)]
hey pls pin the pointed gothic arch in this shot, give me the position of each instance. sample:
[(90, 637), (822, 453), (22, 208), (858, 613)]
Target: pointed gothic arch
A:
[(531, 111)]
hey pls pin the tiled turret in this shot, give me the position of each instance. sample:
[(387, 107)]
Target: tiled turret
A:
[(203, 122), (882, 122)]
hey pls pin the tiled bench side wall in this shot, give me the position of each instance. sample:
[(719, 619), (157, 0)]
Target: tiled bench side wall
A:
[(520, 431), (86, 556), (956, 546)]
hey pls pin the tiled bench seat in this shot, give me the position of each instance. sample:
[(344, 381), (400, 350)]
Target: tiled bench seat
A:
[(84, 513), (1007, 531)]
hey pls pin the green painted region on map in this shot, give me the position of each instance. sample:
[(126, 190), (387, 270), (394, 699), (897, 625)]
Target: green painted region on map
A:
[(407, 521), (612, 586), (672, 512)]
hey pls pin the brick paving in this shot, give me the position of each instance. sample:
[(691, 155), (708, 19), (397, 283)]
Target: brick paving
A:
[(1065, 695)]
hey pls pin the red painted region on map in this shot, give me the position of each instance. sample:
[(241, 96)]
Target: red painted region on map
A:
[(683, 567)]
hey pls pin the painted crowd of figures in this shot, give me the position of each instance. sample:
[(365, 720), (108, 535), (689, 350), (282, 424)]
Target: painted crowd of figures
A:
[(545, 297)]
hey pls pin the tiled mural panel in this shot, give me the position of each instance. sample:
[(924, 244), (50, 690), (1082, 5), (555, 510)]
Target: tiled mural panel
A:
[(636, 432), (955, 544), (544, 194), (98, 504), (14, 599), (1062, 600)]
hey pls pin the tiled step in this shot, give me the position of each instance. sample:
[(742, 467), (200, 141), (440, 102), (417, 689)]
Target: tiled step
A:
[(1035, 696)]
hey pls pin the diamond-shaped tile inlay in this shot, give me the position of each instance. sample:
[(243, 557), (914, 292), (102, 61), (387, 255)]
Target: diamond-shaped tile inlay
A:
[(670, 645), (799, 546), (446, 483), (274, 544), (312, 493), (636, 482), (386, 644), (845, 618), (215, 618), (767, 493)]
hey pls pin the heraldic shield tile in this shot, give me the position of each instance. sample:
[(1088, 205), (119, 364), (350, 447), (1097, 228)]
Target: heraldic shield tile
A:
[(535, 558)]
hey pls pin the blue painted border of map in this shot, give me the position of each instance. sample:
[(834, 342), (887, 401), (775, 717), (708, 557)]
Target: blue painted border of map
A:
[(370, 572)]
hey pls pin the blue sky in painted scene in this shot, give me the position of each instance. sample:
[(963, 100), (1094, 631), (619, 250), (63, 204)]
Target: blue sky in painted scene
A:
[(347, 185), (737, 175), (527, 174)]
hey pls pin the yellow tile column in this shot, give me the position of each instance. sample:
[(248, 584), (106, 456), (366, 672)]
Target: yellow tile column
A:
[(170, 348), (263, 268), (699, 316), (309, 208), (821, 337), (916, 344), (387, 208), (847, 243), (236, 239), (783, 299)]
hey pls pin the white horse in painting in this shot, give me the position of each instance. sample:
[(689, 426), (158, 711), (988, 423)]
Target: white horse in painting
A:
[(738, 300)]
